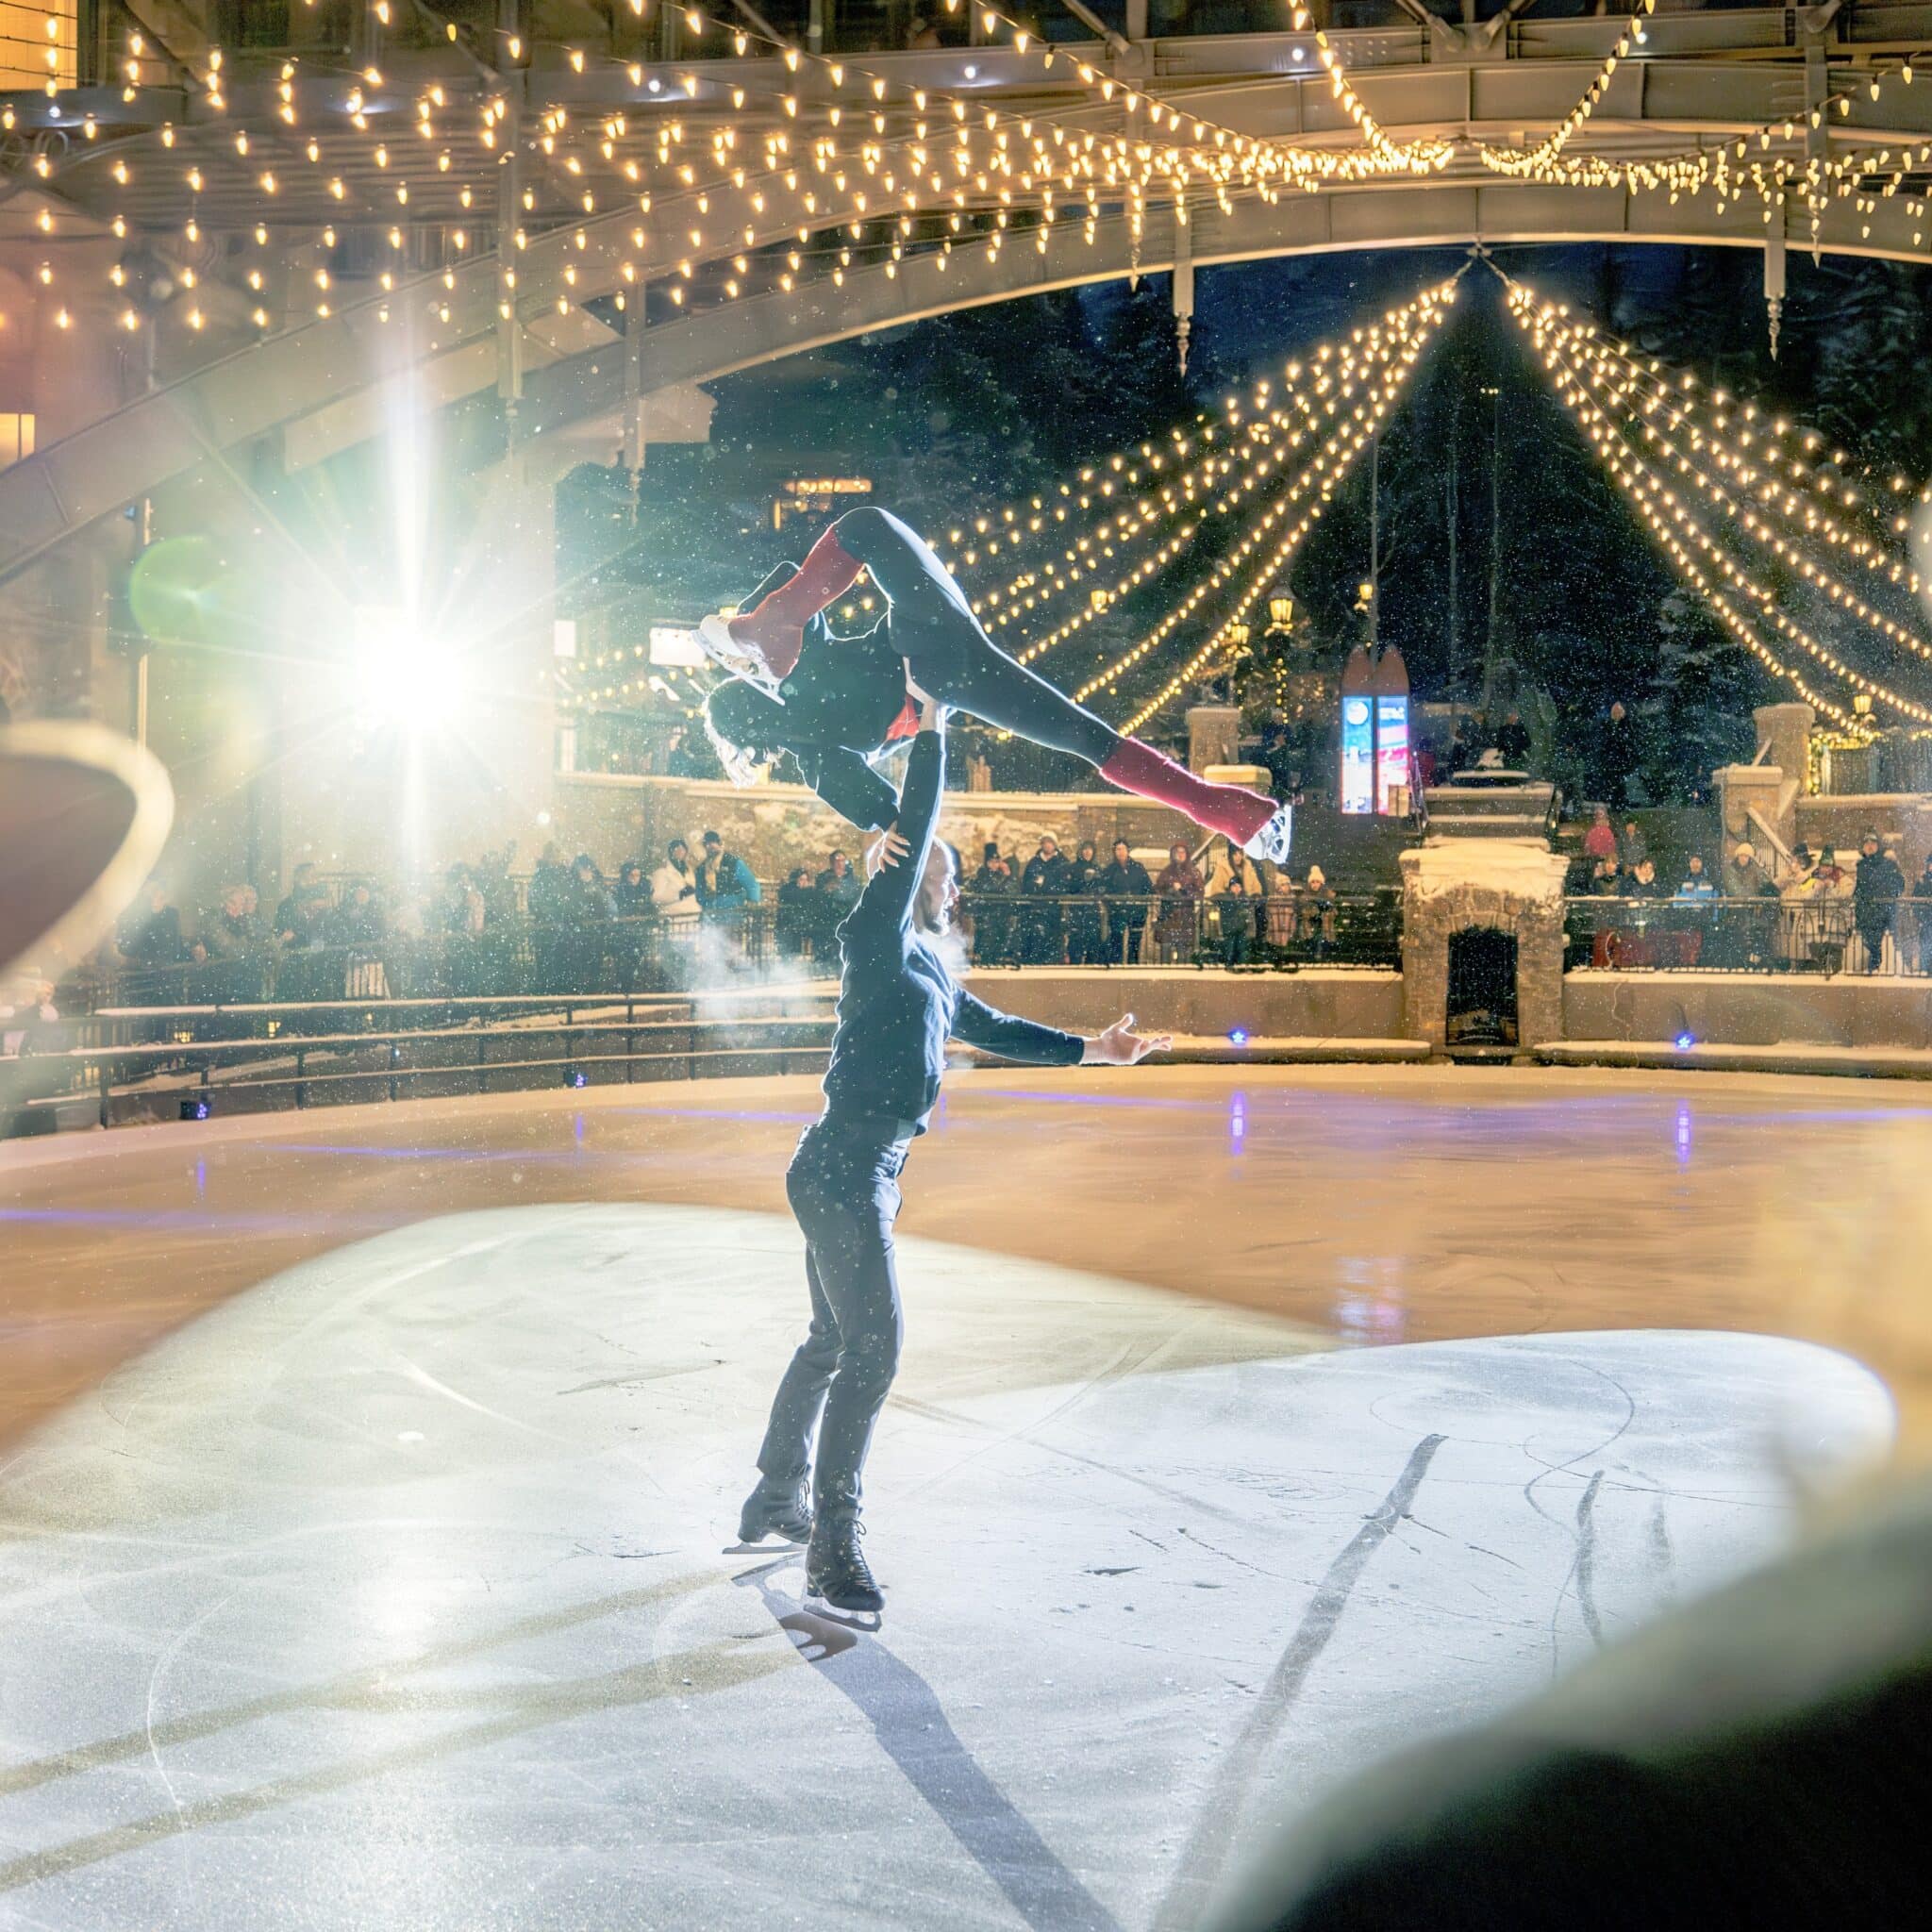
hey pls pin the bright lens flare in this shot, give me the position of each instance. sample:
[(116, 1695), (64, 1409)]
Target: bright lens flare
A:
[(404, 676)]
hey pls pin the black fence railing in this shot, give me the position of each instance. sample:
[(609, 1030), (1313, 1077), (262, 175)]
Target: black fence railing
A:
[(750, 944), (1283, 930), (1762, 934)]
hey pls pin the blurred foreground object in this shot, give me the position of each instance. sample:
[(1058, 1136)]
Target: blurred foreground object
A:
[(1762, 1756), (83, 816)]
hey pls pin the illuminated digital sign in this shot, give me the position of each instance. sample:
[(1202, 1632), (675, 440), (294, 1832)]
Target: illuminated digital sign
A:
[(1358, 755)]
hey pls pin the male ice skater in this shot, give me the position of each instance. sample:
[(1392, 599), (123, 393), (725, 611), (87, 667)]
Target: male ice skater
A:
[(898, 1004)]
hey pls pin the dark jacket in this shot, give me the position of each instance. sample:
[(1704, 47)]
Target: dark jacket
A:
[(837, 709), (1513, 741), (1877, 882), (155, 939), (897, 1003), (549, 889), (1045, 879), (799, 914), (1122, 885)]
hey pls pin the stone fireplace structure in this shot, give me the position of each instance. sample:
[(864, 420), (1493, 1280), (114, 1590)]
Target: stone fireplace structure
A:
[(1496, 889)]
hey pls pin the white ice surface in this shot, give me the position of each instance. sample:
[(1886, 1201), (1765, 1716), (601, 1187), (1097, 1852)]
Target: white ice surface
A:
[(390, 1595)]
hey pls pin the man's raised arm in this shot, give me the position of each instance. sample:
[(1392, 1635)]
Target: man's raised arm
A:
[(886, 900)]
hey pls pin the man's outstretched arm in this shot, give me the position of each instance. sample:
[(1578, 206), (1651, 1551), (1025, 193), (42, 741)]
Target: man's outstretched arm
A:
[(1032, 1044)]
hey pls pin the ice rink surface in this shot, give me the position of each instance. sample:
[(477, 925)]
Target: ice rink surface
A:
[(391, 1595), (388, 1591)]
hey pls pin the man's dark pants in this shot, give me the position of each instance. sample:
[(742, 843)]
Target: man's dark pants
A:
[(843, 1187)]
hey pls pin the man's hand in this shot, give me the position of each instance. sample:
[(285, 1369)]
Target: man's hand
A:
[(1121, 1046), (893, 846)]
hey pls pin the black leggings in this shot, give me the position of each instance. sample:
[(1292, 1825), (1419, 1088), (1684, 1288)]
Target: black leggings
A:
[(934, 629), (843, 1187)]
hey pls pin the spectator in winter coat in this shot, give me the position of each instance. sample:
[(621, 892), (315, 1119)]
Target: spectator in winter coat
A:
[(299, 918), (1513, 741), (1600, 841), (1043, 887), (1618, 752), (1128, 890), (674, 888), (1875, 893), (1921, 914), (458, 911), (839, 887), (359, 921), (632, 891), (1316, 904), (1086, 945), (546, 900), (1607, 881), (798, 923), (1234, 917), (151, 935), (994, 888), (1181, 886), (1228, 867), (1745, 877), (1697, 883), (727, 888), (1644, 882), (1632, 846)]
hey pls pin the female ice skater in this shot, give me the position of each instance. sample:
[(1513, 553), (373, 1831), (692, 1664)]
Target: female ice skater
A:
[(834, 704), (898, 1004)]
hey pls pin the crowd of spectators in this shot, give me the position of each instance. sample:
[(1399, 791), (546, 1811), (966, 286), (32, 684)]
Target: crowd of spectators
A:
[(569, 925), (1799, 908)]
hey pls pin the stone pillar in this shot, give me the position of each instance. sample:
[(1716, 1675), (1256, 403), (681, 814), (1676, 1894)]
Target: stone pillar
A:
[(1787, 731), (1514, 886), (1762, 790), (1214, 736)]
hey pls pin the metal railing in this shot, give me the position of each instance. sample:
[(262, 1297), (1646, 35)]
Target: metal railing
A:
[(1284, 932), (752, 944), (145, 1062), (1761, 935)]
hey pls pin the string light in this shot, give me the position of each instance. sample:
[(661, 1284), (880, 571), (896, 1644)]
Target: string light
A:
[(1320, 476), (1547, 328)]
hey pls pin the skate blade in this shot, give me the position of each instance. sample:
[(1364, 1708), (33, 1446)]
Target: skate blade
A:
[(784, 1546), (741, 660), (848, 1620)]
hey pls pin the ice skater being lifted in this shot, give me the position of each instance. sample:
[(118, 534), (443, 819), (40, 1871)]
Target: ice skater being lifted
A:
[(835, 702), (898, 1004)]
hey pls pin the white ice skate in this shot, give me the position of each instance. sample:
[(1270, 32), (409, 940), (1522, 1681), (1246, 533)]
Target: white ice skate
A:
[(1273, 840), (739, 656)]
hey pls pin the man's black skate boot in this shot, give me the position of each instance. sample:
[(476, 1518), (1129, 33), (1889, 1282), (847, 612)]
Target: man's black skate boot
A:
[(835, 1570), (782, 1512)]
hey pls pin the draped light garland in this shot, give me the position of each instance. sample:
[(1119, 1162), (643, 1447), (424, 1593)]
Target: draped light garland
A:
[(1547, 326), (1318, 480), (1591, 359)]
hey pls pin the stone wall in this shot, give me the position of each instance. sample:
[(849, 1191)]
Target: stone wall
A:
[(1320, 1002), (1749, 1009), (1513, 884)]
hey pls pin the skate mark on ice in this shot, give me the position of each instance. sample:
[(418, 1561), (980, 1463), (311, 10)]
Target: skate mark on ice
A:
[(1586, 1559), (1028, 1432), (373, 1687), (516, 1710), (1218, 1819), (913, 1731)]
